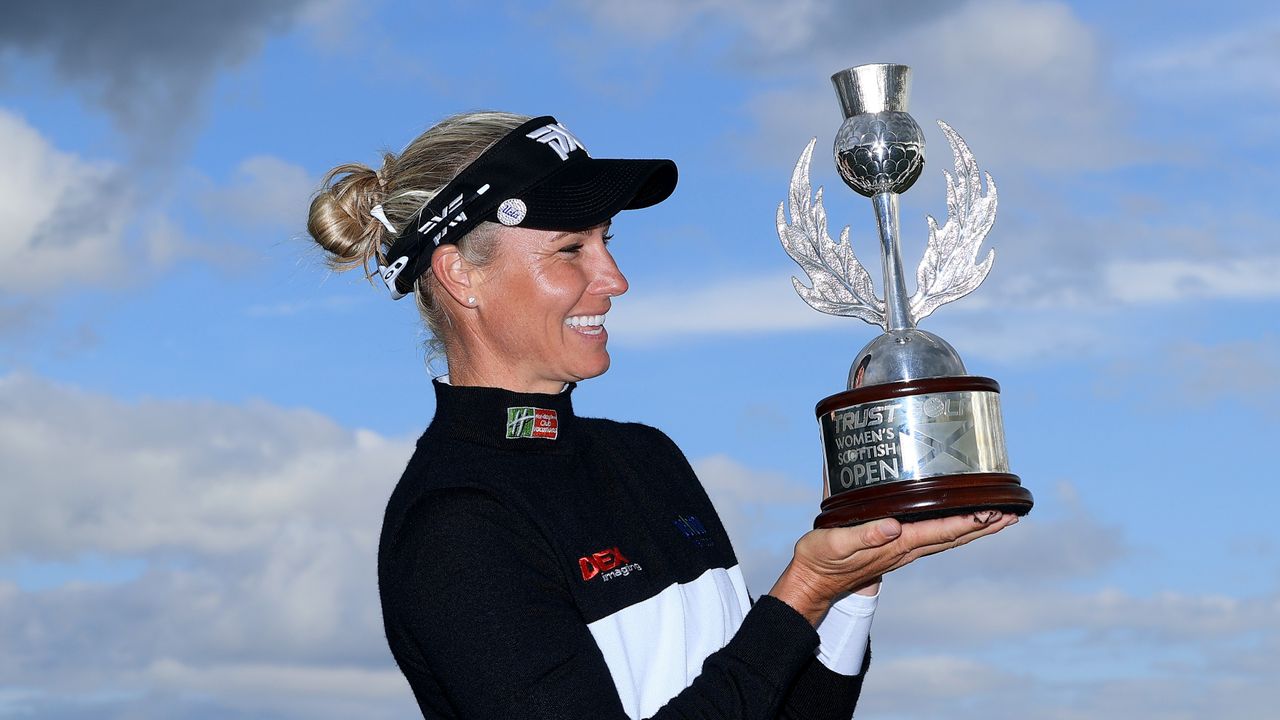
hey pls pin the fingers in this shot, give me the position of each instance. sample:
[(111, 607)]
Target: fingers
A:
[(949, 529), (986, 517), (923, 547)]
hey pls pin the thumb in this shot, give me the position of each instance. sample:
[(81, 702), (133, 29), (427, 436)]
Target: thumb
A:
[(880, 532), (868, 535)]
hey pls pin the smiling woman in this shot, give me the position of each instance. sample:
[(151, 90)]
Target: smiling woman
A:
[(534, 563)]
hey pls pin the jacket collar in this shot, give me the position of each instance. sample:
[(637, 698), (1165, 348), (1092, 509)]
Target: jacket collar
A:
[(497, 417)]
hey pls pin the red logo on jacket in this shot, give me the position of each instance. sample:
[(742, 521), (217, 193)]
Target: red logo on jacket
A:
[(611, 562)]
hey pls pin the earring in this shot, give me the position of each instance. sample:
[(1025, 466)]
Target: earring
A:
[(471, 300)]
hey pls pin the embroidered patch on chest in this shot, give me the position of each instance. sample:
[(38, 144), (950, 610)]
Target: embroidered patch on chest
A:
[(693, 530), (532, 422), (606, 564)]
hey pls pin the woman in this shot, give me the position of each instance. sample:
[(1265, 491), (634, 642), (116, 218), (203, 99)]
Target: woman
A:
[(534, 563)]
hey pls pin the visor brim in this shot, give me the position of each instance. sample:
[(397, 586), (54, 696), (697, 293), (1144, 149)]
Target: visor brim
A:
[(589, 192)]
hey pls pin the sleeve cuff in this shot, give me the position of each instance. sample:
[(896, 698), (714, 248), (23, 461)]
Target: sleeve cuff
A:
[(775, 640), (843, 633)]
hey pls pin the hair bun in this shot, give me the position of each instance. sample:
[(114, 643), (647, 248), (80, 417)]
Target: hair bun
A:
[(340, 219)]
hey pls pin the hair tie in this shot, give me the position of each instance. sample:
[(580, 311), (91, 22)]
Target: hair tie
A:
[(381, 215)]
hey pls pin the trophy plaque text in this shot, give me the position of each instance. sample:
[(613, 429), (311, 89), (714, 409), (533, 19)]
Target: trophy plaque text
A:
[(913, 436)]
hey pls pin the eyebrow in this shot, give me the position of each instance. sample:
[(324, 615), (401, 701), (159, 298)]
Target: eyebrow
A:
[(566, 233)]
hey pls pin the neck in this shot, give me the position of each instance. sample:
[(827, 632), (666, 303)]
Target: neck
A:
[(480, 369)]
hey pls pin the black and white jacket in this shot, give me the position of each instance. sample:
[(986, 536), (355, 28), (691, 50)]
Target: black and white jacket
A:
[(538, 564)]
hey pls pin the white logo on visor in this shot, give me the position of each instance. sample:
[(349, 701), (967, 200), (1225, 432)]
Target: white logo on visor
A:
[(389, 275), (511, 212), (556, 137)]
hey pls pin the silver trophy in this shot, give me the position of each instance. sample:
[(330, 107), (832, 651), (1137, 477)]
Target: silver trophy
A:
[(913, 436)]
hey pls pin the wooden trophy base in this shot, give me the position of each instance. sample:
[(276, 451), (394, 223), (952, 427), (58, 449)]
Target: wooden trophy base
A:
[(912, 500), (957, 418)]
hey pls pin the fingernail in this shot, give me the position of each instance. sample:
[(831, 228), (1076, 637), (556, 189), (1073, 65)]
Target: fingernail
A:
[(890, 528)]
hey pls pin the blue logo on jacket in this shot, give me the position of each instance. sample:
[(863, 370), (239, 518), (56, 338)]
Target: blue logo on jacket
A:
[(693, 529)]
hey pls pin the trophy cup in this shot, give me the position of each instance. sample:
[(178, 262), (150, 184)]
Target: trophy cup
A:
[(913, 436)]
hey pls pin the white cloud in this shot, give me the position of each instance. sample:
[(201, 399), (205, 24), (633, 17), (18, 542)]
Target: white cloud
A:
[(191, 476), (1243, 371), (63, 217), (1176, 279), (258, 526), (732, 305), (936, 681), (264, 190)]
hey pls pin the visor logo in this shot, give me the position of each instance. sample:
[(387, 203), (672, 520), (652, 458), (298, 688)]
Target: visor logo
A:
[(531, 422), (556, 137), (512, 211), (389, 275), (447, 216)]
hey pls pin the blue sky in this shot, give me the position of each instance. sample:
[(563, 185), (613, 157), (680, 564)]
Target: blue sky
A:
[(199, 424)]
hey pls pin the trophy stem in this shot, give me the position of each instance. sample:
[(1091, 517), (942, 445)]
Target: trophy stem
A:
[(896, 300)]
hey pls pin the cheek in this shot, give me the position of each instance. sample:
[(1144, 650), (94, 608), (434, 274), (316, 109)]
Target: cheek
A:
[(535, 312), (556, 293)]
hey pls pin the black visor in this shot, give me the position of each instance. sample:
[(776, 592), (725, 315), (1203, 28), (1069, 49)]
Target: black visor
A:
[(538, 176)]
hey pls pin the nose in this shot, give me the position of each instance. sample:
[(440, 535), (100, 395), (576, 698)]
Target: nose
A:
[(609, 280)]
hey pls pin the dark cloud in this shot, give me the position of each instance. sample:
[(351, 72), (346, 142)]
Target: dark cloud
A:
[(146, 63)]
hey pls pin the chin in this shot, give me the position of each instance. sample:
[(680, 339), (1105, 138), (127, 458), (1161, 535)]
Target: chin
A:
[(595, 369)]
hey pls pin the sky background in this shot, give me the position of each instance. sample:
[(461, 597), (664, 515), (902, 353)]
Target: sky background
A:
[(200, 425)]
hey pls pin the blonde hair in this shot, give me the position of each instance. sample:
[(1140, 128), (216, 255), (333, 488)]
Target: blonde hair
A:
[(340, 219)]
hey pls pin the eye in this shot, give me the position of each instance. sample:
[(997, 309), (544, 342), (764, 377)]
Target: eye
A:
[(571, 249), (607, 238)]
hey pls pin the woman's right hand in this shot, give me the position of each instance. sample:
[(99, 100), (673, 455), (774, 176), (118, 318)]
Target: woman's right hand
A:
[(830, 561)]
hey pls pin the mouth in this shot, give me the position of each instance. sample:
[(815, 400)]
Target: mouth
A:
[(585, 324)]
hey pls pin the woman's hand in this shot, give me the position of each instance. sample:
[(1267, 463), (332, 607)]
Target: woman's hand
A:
[(828, 562)]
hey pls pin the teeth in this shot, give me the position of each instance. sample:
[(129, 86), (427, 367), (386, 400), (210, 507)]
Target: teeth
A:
[(585, 321)]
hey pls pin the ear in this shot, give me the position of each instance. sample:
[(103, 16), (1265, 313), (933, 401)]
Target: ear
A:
[(454, 273)]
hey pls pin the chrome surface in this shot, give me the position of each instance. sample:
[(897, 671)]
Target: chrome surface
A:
[(911, 354), (873, 88), (912, 438), (879, 152), (897, 313)]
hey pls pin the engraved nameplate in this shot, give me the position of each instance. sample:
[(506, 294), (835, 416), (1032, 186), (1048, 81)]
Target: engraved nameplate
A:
[(913, 437)]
